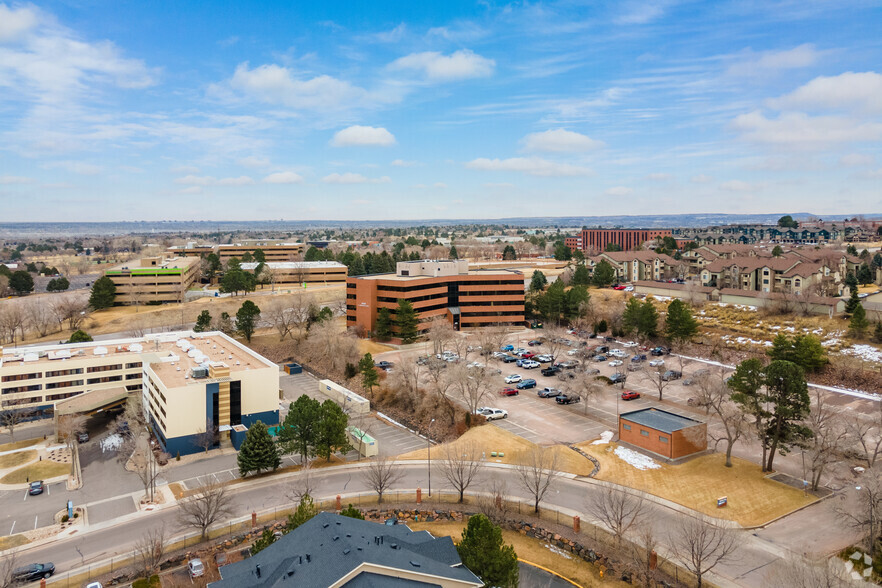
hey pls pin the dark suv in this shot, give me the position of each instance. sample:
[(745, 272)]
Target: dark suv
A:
[(567, 399), (550, 371), (33, 572)]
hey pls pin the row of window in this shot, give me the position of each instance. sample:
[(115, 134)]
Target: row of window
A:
[(69, 372), (645, 433)]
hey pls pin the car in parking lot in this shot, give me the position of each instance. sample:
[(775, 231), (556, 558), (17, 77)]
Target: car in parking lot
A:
[(383, 365), (195, 567), (507, 348), (492, 414), (629, 344), (520, 352), (671, 375), (534, 342), (550, 370), (544, 358), (599, 358), (499, 355), (509, 359), (530, 364), (615, 363), (638, 358), (574, 351), (508, 392), (619, 287), (617, 378), (528, 383), (82, 437), (570, 364), (33, 572), (603, 349), (36, 487), (513, 379), (657, 363), (630, 395), (657, 351), (617, 353), (592, 371), (476, 364), (567, 399), (548, 392)]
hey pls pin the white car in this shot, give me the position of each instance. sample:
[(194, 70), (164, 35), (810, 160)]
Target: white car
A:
[(544, 358), (513, 379), (629, 288), (529, 365), (572, 351), (615, 363), (617, 353), (196, 567), (492, 414), (476, 364), (629, 344), (657, 363), (499, 354)]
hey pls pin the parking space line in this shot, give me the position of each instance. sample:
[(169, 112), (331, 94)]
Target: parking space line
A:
[(35, 521), (25, 496), (13, 527)]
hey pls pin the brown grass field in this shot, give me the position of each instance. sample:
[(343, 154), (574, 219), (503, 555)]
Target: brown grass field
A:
[(10, 460), (42, 470), (19, 444)]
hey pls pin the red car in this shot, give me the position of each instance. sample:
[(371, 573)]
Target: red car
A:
[(528, 355), (619, 287), (630, 395), (508, 392)]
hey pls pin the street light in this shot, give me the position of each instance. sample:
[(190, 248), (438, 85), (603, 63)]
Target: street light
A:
[(429, 448)]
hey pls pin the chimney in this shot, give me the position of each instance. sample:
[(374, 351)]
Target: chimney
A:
[(257, 570), (308, 558)]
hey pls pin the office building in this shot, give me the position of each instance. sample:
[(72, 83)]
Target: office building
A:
[(597, 240), (272, 250), (303, 272), (152, 280)]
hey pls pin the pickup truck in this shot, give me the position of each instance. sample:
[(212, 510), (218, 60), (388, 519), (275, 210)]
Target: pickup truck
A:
[(567, 399), (550, 371)]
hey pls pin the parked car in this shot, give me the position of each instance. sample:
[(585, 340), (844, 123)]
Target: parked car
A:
[(82, 437), (499, 355), (35, 488), (634, 367), (492, 414), (475, 364), (619, 287), (599, 358), (574, 351), (508, 392), (629, 344), (617, 353), (548, 392), (615, 363), (550, 371), (638, 358), (383, 365), (603, 349), (94, 585), (567, 399), (592, 371), (474, 348), (617, 378), (534, 342), (528, 383), (195, 567), (630, 395), (509, 359), (507, 348), (530, 364), (422, 360), (33, 572), (543, 358), (513, 379), (657, 351), (671, 375), (570, 364), (657, 363), (629, 288)]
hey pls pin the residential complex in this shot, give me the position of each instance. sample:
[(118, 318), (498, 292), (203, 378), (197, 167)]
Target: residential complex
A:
[(272, 250), (302, 272), (153, 279), (597, 240), (445, 288), (186, 379), (640, 265), (808, 233)]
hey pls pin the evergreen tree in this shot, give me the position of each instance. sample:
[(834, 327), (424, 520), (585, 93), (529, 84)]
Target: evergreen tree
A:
[(80, 336), (267, 538), (787, 222), (604, 274), (858, 324), (538, 281), (851, 250), (356, 268), (352, 512), (777, 251), (631, 315), (877, 333), (788, 394), (258, 452), (331, 431), (864, 275), (297, 433), (484, 553), (406, 321), (369, 375), (747, 391), (246, 319), (454, 254), (680, 325), (574, 298), (877, 261), (851, 281), (562, 252), (509, 253), (103, 293), (58, 285), (648, 323), (203, 322), (581, 276), (383, 328), (805, 351), (305, 511), (853, 301), (259, 256)]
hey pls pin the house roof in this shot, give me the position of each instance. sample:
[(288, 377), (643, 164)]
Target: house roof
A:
[(660, 420), (329, 546)]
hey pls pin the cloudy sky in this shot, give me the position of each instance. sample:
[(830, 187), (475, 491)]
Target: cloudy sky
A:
[(115, 110)]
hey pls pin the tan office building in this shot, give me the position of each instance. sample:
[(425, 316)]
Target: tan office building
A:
[(153, 279), (303, 272), (273, 250)]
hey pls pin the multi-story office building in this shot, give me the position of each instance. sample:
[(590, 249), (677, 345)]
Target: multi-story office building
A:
[(185, 379), (272, 250), (596, 240), (153, 279), (443, 288), (303, 272)]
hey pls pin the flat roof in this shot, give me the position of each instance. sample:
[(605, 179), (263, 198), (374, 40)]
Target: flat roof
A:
[(660, 420), (134, 266), (294, 265), (480, 272)]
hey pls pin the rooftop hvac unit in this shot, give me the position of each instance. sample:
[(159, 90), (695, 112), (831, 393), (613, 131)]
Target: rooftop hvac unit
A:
[(136, 348), (200, 372), (31, 357), (100, 351)]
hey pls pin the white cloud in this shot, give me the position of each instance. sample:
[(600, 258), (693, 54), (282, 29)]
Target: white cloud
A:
[(254, 162), (76, 167), (196, 180), (533, 166), (361, 136), (353, 178), (283, 178), (702, 179), (14, 22), (275, 84), (642, 11), (856, 159), (240, 181), (461, 65), (392, 36), (191, 190), (619, 191), (659, 177), (873, 173), (560, 141), (737, 186), (801, 131), (5, 180), (861, 92), (403, 163), (773, 61)]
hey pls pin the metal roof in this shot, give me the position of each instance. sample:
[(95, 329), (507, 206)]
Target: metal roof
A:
[(660, 420)]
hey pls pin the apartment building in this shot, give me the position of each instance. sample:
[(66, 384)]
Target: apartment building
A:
[(303, 272), (272, 250), (153, 279), (438, 288), (181, 376), (597, 240), (631, 266)]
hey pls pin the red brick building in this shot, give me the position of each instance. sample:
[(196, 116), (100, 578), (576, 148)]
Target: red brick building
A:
[(663, 433), (596, 240), (468, 299)]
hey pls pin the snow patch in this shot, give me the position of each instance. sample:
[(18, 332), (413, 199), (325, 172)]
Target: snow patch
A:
[(111, 443), (638, 460), (605, 438), (557, 550), (865, 352)]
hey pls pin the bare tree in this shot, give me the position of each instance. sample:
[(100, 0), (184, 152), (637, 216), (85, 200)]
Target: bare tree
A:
[(12, 320), (804, 572), (380, 474), (207, 438), (439, 333), (208, 505), (67, 427), (617, 509), (494, 504), (643, 554), (460, 466), (714, 395), (700, 545), (139, 458), (554, 342), (828, 436), (280, 317), (8, 563), (471, 386), (304, 484), (439, 383), (655, 375), (868, 434), (866, 515), (537, 472), (299, 310), (11, 418), (150, 549), (40, 317)]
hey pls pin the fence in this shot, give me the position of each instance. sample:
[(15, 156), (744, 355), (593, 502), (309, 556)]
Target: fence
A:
[(391, 500)]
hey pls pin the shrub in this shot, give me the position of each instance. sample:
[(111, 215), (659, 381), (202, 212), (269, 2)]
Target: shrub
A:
[(151, 582), (65, 518), (603, 379)]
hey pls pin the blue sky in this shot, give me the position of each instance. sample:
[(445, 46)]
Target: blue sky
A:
[(406, 110)]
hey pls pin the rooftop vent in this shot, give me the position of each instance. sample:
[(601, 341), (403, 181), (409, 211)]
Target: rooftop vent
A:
[(415, 564), (346, 551)]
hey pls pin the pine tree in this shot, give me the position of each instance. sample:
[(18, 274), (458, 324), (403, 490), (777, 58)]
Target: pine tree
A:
[(80, 336), (858, 324), (246, 319), (509, 253), (453, 252), (258, 452), (680, 325), (864, 275), (352, 512), (484, 553), (305, 511), (383, 328), (406, 321), (631, 315), (604, 274), (581, 276), (538, 281), (853, 301), (648, 323), (877, 333), (369, 375), (331, 431), (103, 293), (203, 322), (297, 434), (267, 538)]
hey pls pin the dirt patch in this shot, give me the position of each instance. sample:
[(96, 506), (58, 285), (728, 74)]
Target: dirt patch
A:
[(11, 460), (42, 470)]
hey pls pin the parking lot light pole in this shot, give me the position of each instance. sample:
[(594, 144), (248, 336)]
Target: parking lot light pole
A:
[(429, 448)]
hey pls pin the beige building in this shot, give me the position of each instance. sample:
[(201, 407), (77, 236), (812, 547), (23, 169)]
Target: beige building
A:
[(302, 272), (273, 250), (153, 279)]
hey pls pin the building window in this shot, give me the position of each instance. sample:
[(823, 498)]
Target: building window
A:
[(104, 368), (136, 364), (70, 372), (19, 377), (644, 433), (626, 427), (662, 439)]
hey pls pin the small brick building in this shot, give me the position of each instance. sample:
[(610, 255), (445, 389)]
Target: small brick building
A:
[(663, 433)]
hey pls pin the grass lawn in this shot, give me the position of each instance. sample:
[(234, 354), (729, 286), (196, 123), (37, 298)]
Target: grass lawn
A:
[(11, 541), (531, 550), (16, 459), (489, 438), (372, 347), (19, 444), (42, 470), (752, 498)]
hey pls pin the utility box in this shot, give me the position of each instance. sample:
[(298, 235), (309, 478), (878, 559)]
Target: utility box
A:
[(366, 445), (293, 368)]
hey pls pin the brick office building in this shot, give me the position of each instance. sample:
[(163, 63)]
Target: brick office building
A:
[(446, 288), (596, 240), (663, 433)]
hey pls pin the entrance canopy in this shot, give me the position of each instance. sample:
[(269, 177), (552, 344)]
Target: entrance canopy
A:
[(93, 401)]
